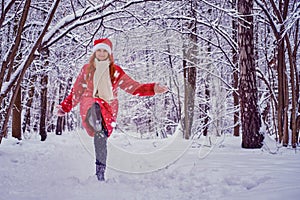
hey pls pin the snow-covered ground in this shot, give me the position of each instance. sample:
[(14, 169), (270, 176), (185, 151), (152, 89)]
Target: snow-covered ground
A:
[(62, 167)]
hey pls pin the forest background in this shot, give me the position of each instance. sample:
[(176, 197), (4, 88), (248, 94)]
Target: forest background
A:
[(231, 66)]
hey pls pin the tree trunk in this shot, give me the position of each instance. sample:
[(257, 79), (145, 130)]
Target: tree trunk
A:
[(250, 117), (63, 92), (282, 96), (16, 118), (206, 109), (17, 108), (59, 121), (50, 113), (189, 98), (28, 105), (189, 70), (44, 83), (236, 117), (293, 81), (43, 130)]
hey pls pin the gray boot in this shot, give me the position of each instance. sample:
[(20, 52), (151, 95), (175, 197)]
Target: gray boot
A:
[(100, 171)]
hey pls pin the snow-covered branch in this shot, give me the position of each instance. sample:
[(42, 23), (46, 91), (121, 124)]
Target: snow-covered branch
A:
[(78, 18)]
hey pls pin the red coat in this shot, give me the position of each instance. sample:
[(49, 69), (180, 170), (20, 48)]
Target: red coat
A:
[(82, 92)]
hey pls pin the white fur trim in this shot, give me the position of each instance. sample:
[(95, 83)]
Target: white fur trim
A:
[(102, 46)]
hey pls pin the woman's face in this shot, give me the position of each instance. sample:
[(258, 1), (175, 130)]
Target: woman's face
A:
[(101, 54)]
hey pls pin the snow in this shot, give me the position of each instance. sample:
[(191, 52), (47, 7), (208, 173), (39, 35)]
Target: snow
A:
[(62, 167)]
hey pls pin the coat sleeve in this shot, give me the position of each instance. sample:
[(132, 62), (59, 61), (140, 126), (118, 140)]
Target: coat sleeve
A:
[(129, 85), (76, 92)]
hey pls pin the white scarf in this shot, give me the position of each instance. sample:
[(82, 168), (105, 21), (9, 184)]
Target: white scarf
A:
[(102, 81)]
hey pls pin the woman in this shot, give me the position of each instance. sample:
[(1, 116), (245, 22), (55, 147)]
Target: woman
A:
[(96, 90)]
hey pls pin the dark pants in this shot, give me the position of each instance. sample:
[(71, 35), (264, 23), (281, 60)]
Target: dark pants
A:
[(94, 119), (100, 143)]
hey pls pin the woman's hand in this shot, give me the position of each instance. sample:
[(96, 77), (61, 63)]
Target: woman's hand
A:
[(159, 89), (60, 111)]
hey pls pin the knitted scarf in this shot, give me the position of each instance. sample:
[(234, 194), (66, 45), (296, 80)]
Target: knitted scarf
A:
[(102, 81)]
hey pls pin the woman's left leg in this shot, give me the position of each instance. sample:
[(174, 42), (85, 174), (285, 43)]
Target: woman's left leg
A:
[(100, 142), (94, 118)]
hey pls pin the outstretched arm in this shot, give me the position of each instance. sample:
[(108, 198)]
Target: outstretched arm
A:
[(133, 87)]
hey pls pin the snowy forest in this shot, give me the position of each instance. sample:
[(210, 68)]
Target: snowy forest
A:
[(231, 66), (227, 128)]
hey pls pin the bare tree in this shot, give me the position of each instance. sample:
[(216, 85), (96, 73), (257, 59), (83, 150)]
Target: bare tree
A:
[(14, 82), (189, 68), (43, 104), (285, 60), (250, 117), (236, 118)]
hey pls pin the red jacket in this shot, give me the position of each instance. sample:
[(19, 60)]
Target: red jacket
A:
[(82, 92)]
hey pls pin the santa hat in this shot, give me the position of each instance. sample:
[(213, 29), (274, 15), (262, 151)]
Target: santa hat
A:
[(103, 43)]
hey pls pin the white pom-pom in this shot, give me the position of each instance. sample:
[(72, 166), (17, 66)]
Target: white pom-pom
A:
[(113, 124)]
